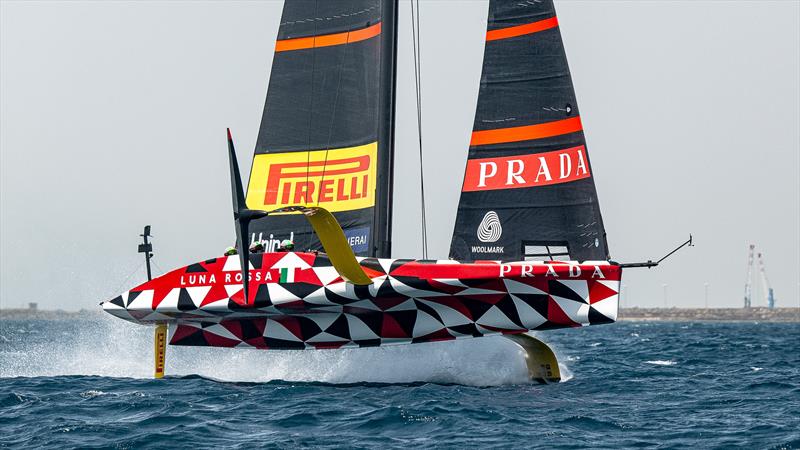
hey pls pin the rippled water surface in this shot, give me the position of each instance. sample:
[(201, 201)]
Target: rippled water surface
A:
[(84, 383)]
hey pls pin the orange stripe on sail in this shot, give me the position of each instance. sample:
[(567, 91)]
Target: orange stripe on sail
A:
[(521, 30), (327, 40), (526, 133)]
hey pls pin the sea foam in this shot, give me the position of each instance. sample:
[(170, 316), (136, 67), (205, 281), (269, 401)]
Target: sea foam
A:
[(106, 346)]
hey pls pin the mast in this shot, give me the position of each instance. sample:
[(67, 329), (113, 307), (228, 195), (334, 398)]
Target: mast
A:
[(388, 84)]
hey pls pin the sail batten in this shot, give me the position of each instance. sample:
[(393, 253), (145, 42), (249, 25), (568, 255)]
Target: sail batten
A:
[(528, 181)]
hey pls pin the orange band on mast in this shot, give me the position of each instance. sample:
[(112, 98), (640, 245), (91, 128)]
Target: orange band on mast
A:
[(521, 30), (327, 40), (526, 133)]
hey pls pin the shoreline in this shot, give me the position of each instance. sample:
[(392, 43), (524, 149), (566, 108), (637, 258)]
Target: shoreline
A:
[(47, 314), (759, 314)]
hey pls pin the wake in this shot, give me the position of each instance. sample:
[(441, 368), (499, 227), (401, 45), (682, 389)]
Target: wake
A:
[(104, 346)]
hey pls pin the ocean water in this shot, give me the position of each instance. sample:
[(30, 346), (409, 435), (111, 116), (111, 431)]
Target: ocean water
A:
[(85, 383)]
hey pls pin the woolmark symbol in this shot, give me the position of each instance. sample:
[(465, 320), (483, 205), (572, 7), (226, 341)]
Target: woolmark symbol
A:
[(490, 229)]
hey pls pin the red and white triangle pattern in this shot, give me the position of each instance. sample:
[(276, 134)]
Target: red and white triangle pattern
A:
[(299, 301)]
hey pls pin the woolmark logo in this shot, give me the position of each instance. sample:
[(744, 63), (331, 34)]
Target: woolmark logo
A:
[(490, 229)]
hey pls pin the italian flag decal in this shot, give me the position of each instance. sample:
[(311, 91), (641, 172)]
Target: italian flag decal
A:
[(287, 275)]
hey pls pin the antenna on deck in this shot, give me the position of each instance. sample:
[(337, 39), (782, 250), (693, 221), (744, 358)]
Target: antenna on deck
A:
[(650, 263), (147, 249), (160, 332)]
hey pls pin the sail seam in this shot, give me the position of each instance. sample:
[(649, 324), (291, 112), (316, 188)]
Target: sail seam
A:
[(333, 115), (495, 79), (528, 206), (311, 109), (335, 16)]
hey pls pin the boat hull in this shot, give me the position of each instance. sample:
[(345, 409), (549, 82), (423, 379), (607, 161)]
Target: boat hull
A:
[(298, 301)]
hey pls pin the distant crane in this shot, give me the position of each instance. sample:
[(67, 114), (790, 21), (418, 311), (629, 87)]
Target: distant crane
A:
[(766, 287), (748, 287)]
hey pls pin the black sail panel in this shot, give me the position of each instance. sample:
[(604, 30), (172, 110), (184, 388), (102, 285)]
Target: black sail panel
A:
[(323, 139), (528, 187)]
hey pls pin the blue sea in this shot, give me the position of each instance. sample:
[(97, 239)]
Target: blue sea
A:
[(85, 383)]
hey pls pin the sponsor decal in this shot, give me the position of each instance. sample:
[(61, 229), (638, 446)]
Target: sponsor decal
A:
[(488, 249), (272, 243), (358, 238), (338, 179), (524, 171), (228, 277), (490, 230), (160, 344), (527, 270)]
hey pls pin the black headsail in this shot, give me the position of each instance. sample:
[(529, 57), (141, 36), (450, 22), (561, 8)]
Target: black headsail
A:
[(326, 136), (528, 188)]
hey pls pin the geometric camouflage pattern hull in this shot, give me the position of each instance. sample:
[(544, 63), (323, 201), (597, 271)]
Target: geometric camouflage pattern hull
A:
[(298, 301)]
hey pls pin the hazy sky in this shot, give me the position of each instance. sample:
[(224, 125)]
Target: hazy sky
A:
[(112, 116)]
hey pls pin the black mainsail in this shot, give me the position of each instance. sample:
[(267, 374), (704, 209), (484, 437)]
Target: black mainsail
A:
[(326, 135), (528, 189)]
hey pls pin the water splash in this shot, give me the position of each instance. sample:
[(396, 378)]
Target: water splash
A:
[(192, 411), (106, 346)]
